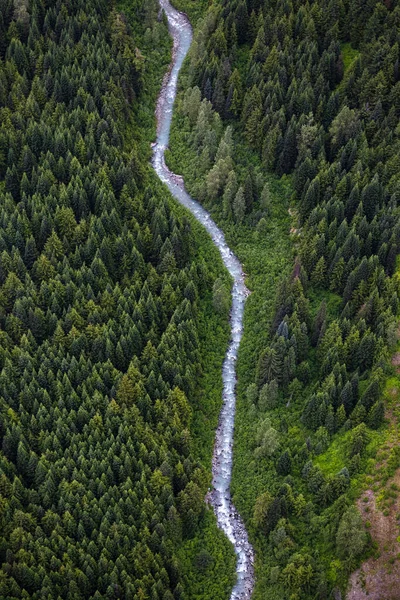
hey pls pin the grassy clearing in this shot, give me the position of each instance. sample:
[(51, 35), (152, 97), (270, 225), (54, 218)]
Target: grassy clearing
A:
[(334, 303), (349, 55)]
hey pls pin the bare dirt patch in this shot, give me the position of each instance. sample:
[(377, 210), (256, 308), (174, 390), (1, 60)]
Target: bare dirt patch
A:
[(378, 578), (396, 361)]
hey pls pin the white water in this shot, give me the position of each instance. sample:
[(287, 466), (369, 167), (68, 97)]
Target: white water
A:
[(220, 498)]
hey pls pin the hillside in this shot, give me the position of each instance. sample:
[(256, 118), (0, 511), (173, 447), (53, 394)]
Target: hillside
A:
[(286, 129), (106, 317), (114, 302)]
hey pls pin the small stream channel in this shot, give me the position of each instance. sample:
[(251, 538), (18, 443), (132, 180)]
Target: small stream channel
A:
[(220, 498)]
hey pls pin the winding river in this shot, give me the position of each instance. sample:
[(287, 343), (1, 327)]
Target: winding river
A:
[(220, 498)]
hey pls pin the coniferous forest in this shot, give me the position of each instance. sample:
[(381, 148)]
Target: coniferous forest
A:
[(286, 128), (102, 293), (114, 304)]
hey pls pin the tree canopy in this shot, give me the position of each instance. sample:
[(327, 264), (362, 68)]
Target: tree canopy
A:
[(99, 350)]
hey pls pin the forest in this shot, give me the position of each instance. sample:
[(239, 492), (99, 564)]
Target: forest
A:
[(104, 291), (286, 128), (114, 304)]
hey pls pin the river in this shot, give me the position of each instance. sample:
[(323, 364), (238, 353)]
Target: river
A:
[(220, 498)]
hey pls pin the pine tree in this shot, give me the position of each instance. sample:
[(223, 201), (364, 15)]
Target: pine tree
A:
[(318, 276), (284, 463), (239, 206)]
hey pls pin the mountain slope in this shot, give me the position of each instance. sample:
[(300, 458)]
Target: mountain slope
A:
[(309, 92)]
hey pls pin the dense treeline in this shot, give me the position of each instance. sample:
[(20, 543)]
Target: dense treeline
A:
[(99, 299), (313, 89)]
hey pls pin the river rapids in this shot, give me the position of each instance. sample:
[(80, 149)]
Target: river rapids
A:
[(219, 497)]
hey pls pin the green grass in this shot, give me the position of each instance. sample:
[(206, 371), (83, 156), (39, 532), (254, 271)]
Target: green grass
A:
[(335, 457), (349, 55), (333, 303)]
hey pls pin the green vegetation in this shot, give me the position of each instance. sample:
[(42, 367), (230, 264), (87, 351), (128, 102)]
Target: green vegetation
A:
[(113, 300), (208, 563), (110, 347), (194, 9), (155, 55), (309, 93), (349, 55)]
